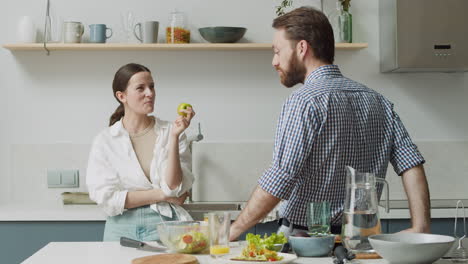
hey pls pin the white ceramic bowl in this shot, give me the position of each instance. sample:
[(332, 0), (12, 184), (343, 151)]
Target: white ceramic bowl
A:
[(411, 248)]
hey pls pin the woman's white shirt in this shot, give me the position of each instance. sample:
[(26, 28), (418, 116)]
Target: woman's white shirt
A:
[(114, 170)]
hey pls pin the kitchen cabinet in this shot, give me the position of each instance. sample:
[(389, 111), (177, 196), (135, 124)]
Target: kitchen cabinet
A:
[(23, 238), (157, 46)]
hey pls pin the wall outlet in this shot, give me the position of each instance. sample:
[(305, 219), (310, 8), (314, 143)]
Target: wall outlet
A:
[(63, 178)]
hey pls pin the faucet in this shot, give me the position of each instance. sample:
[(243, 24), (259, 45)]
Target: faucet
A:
[(196, 138)]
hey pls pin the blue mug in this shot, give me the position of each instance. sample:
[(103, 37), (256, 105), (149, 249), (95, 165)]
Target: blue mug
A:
[(98, 33)]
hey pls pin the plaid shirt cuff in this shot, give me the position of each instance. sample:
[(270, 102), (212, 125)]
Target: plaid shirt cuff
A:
[(405, 158), (277, 182)]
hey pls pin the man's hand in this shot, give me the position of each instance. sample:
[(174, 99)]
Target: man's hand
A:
[(258, 206)]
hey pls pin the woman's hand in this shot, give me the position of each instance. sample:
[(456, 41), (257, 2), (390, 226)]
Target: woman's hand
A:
[(182, 122), (177, 200)]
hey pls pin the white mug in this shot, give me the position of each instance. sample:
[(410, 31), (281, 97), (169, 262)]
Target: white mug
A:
[(72, 32), (26, 30)]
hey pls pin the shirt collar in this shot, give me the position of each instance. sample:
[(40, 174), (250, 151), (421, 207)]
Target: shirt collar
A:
[(118, 129), (325, 71)]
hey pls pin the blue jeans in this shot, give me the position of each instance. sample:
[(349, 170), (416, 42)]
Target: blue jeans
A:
[(136, 223)]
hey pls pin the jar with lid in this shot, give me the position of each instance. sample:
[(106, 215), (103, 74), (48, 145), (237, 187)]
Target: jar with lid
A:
[(177, 30)]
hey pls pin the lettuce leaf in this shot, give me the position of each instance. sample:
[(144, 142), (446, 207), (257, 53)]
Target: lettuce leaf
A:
[(270, 241), (267, 242)]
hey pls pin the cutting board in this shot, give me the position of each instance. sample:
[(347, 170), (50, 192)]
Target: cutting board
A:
[(167, 259)]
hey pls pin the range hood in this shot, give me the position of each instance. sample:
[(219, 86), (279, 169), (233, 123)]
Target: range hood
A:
[(423, 35)]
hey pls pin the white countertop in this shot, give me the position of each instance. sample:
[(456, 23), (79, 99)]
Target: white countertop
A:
[(60, 212), (113, 253)]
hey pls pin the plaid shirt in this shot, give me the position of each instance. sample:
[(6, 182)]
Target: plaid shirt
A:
[(327, 124)]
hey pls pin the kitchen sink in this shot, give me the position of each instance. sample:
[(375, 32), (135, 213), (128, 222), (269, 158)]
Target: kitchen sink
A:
[(435, 203), (207, 206), (198, 209)]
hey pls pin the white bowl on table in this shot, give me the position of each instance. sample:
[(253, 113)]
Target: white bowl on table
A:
[(411, 248)]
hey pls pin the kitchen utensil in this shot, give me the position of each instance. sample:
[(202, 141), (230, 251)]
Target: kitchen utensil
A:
[(98, 33), (360, 214), (222, 34), (341, 256), (184, 236), (166, 259), (147, 32), (411, 248), (128, 242), (459, 254), (318, 218), (368, 256)]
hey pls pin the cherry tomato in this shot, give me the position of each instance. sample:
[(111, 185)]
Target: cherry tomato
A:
[(187, 239)]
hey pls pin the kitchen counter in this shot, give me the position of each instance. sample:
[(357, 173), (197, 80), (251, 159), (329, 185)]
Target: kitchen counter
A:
[(113, 253), (60, 212)]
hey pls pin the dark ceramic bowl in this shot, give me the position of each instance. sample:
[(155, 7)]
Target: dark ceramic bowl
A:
[(222, 34)]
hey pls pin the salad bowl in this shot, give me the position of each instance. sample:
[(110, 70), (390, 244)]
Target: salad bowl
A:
[(188, 237)]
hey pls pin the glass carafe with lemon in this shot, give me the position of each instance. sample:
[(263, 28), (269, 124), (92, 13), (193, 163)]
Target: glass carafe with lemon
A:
[(219, 225)]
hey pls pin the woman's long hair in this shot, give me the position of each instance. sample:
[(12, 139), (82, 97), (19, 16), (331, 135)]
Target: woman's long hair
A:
[(120, 83)]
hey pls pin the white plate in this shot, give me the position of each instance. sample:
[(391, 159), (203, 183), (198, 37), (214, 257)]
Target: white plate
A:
[(286, 259)]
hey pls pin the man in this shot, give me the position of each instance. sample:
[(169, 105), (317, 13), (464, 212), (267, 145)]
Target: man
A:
[(329, 123)]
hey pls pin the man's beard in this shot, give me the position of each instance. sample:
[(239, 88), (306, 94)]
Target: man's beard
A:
[(295, 74)]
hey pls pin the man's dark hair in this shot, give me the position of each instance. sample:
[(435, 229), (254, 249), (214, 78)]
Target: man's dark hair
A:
[(311, 25)]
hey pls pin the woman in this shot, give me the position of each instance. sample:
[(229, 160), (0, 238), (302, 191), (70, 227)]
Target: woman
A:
[(139, 168)]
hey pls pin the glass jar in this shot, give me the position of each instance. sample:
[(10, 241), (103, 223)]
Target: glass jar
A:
[(177, 30)]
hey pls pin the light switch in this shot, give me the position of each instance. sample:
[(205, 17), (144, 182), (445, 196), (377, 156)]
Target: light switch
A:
[(70, 178), (63, 178), (53, 178)]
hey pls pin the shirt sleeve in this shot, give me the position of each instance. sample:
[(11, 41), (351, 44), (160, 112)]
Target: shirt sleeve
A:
[(404, 154), (295, 134), (185, 157), (103, 182)]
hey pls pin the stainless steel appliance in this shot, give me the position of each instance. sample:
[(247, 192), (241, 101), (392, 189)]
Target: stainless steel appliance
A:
[(423, 35)]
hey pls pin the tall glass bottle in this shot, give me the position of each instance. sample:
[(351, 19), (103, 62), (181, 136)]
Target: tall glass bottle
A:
[(333, 18), (345, 25)]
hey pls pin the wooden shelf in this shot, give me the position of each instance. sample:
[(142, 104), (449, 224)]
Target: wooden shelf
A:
[(157, 46)]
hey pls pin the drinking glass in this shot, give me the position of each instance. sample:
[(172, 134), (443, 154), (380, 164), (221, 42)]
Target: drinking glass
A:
[(219, 225), (127, 22), (318, 218)]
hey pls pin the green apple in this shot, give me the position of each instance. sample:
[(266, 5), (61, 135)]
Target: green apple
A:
[(181, 107)]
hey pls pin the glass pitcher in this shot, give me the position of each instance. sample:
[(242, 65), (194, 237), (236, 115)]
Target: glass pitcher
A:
[(360, 212)]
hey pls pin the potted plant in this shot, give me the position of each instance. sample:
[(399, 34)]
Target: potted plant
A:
[(284, 4), (287, 3), (343, 17)]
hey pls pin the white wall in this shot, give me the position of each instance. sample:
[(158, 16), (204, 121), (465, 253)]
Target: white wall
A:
[(66, 97)]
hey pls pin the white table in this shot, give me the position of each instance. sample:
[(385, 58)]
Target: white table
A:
[(113, 253)]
